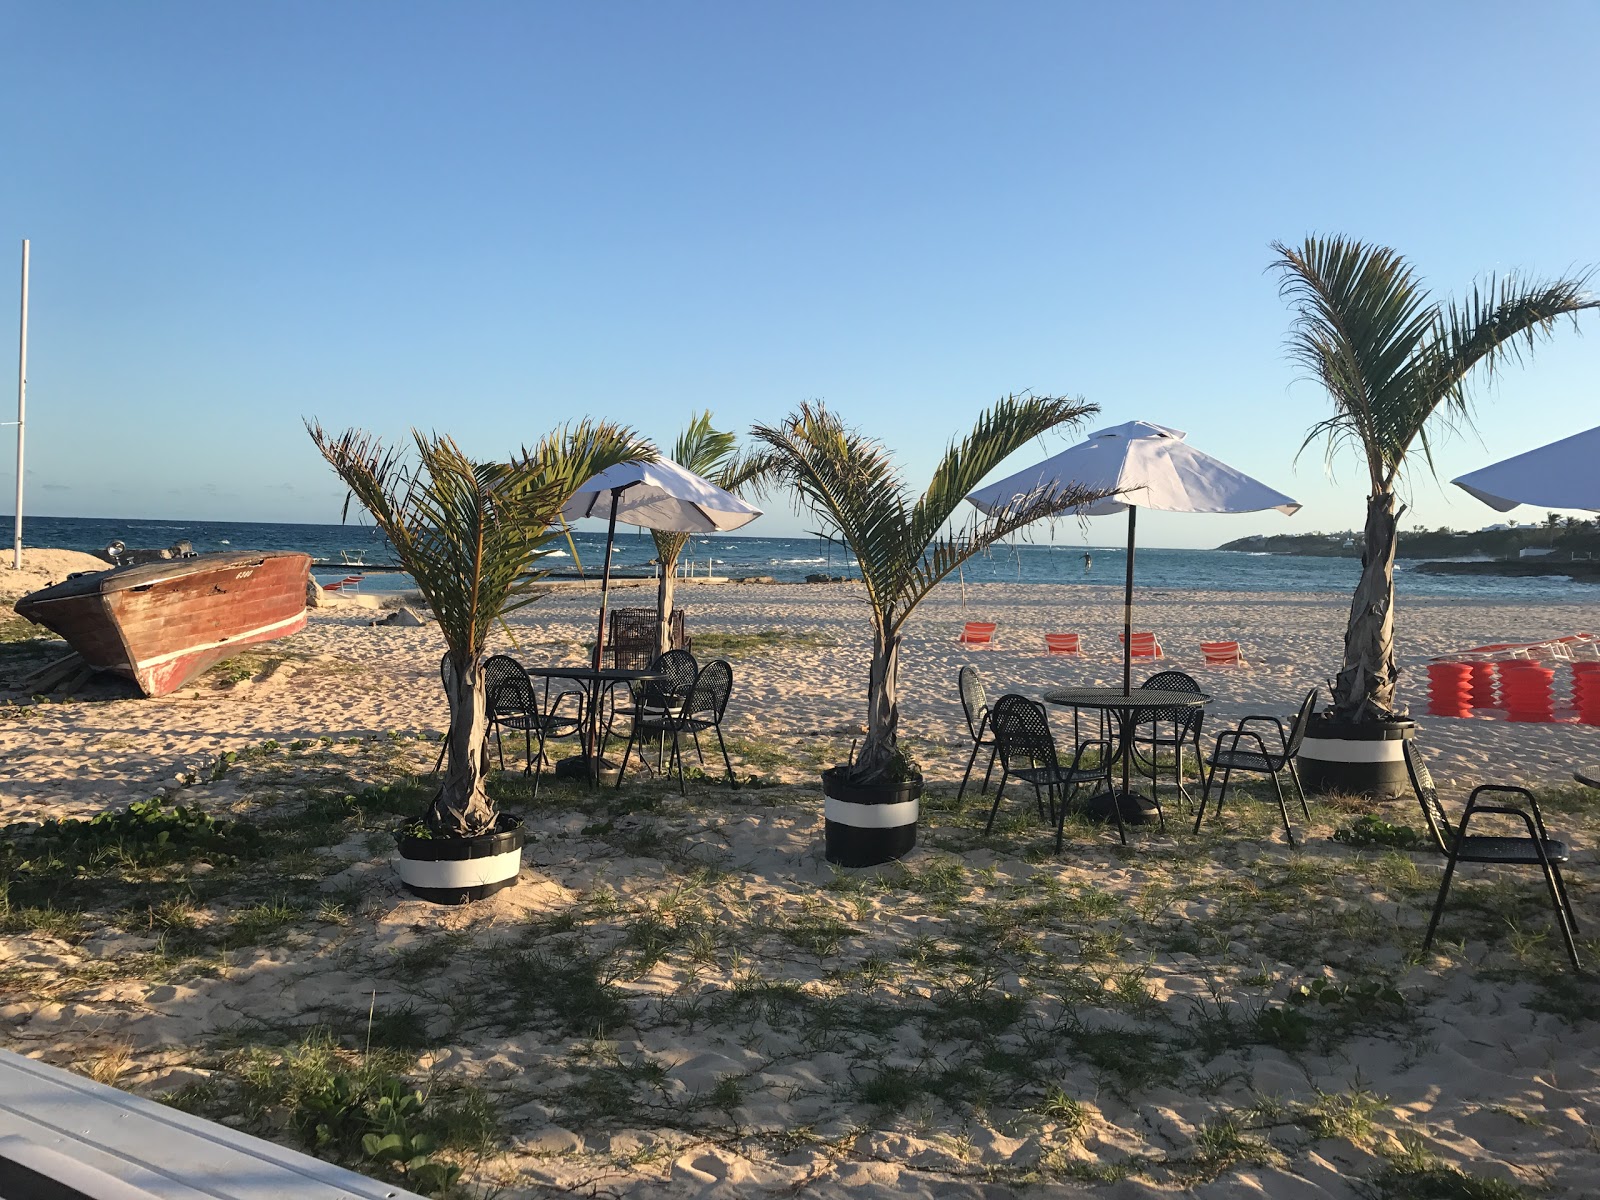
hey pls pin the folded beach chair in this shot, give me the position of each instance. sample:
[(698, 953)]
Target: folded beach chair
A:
[(1061, 643), (1222, 654), (978, 635), (1145, 646)]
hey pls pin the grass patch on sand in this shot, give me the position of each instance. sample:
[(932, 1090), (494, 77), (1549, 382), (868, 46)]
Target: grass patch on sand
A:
[(685, 975), (765, 641)]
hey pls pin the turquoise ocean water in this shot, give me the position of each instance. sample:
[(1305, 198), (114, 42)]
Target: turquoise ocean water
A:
[(791, 559)]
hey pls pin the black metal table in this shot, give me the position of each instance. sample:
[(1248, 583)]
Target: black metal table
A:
[(1126, 708), (589, 764)]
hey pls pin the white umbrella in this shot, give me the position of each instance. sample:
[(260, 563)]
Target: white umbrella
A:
[(1560, 475), (659, 495), (1149, 466)]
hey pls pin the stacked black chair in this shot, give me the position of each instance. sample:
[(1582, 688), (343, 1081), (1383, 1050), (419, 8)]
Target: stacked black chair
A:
[(1458, 846), (975, 704), (1261, 760), (1027, 751), (512, 703), (1170, 727)]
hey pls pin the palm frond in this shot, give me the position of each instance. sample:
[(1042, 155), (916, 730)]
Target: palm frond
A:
[(470, 533), (1361, 318), (1000, 431), (702, 449), (850, 481)]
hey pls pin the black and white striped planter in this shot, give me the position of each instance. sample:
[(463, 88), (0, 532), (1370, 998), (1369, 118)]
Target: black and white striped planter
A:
[(1356, 759), (450, 870), (868, 825)]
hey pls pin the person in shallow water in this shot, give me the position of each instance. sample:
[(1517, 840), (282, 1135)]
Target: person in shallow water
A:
[(1088, 562)]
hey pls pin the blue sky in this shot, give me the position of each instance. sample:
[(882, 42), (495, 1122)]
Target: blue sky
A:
[(489, 218)]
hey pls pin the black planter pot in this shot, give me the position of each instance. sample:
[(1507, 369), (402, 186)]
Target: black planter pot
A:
[(1366, 759), (460, 870), (868, 825)]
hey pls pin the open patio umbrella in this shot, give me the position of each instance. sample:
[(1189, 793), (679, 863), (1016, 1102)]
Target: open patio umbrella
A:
[(1560, 475), (1149, 466), (658, 495)]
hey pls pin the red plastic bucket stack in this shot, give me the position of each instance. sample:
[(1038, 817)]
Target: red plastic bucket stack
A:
[(1485, 678), (1525, 690), (1586, 691), (1450, 689)]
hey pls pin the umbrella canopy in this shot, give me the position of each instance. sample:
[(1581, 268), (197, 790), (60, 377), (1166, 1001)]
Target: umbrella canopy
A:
[(1560, 475), (659, 495), (1149, 466)]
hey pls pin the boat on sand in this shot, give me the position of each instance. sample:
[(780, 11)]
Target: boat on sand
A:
[(161, 623)]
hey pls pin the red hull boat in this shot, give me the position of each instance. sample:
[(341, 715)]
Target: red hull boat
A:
[(161, 623)]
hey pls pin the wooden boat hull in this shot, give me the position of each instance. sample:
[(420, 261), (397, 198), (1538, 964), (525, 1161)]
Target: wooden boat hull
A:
[(160, 624)]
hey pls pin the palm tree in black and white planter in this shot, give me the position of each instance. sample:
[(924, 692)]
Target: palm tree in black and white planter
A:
[(904, 547), (1395, 363), (470, 534)]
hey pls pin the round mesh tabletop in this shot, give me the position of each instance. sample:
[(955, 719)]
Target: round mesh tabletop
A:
[(1139, 698)]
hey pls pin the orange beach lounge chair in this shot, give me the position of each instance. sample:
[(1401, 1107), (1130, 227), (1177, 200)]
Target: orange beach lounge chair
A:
[(1222, 654), (1061, 643), (978, 635), (1145, 646)]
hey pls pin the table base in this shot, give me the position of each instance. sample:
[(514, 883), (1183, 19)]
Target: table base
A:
[(583, 766), (1136, 809)]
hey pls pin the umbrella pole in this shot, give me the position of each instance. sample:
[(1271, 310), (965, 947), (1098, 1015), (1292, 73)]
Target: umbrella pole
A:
[(599, 646), (605, 579), (1127, 612)]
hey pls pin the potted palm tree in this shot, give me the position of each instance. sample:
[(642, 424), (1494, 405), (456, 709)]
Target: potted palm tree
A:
[(712, 455), (470, 534), (1396, 364), (904, 548)]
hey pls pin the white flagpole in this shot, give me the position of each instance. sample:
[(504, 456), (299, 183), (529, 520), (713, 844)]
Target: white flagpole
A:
[(22, 398), (21, 408)]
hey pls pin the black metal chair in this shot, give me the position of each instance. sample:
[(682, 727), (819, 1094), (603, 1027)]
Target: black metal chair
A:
[(1260, 761), (1027, 751), (1184, 725), (1458, 846), (512, 703), (651, 701), (703, 710), (975, 705)]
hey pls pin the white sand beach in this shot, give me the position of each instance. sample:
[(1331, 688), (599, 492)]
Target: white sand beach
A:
[(680, 997)]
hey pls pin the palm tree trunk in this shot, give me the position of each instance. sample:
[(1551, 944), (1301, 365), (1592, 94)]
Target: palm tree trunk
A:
[(883, 707), (462, 807), (1364, 690), (664, 591)]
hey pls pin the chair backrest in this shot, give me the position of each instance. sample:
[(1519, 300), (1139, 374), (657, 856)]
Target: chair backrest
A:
[(1221, 654), (1444, 833), (1022, 733), (973, 700), (1143, 645), (1302, 722), (712, 687), (1061, 643), (509, 689), (680, 670), (977, 633), (1172, 681)]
